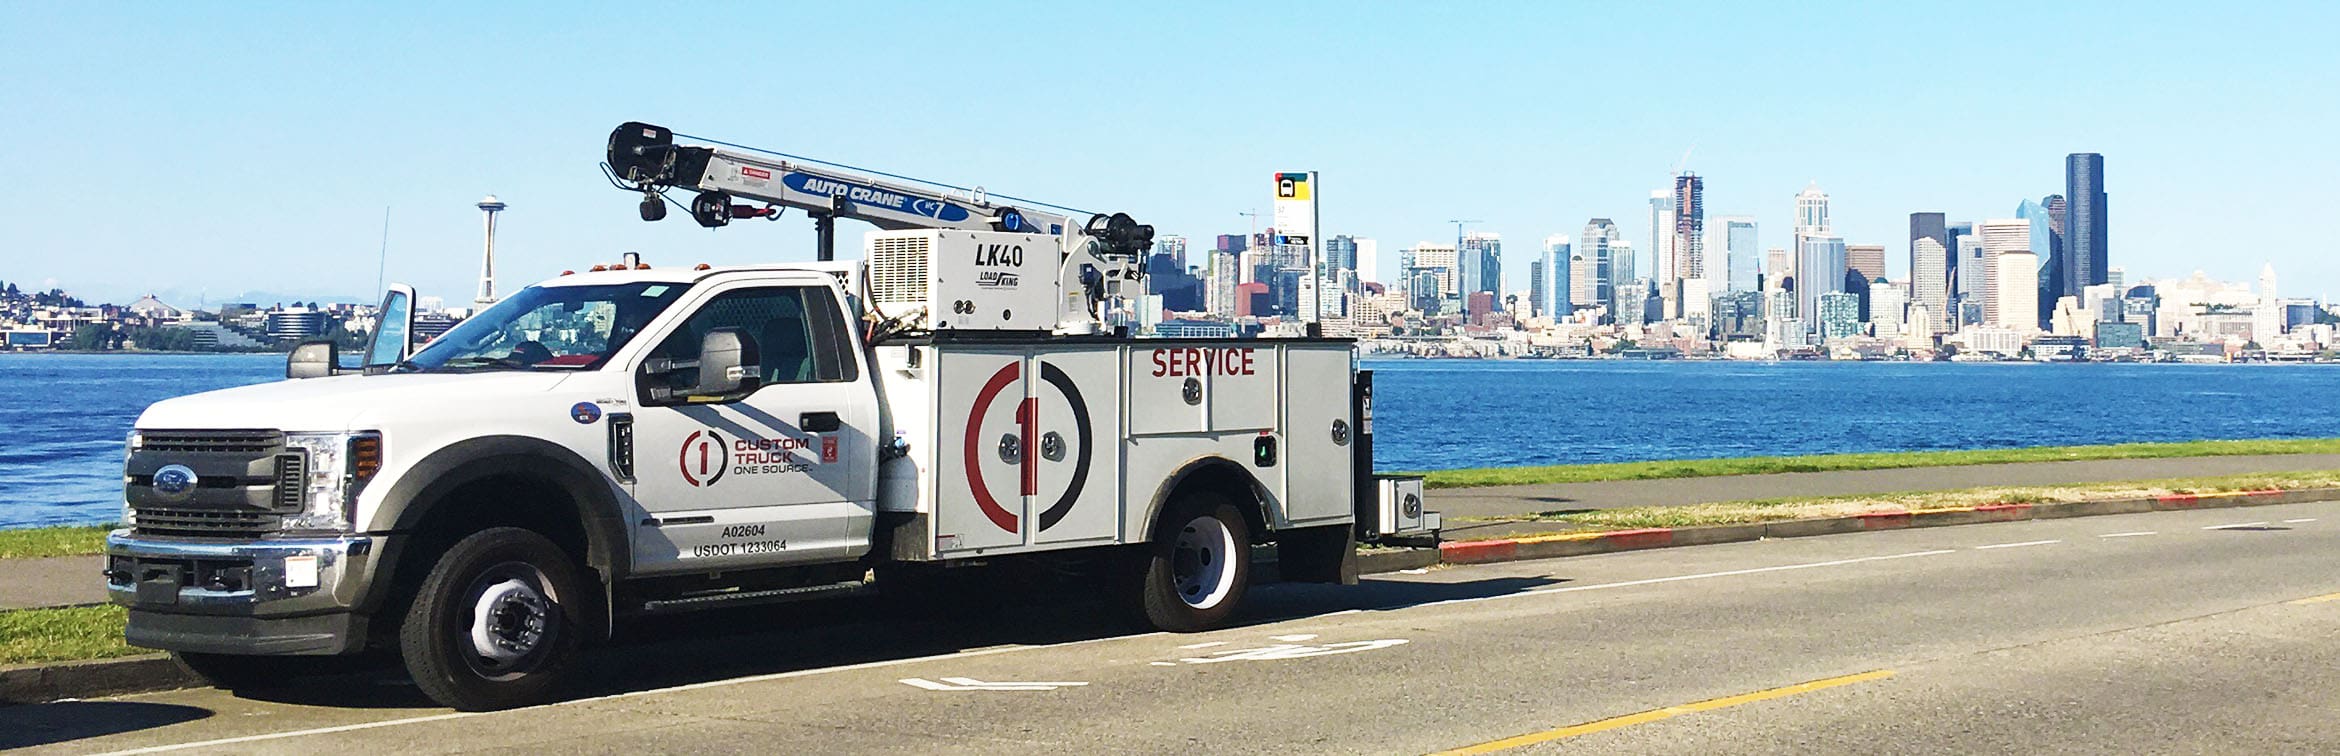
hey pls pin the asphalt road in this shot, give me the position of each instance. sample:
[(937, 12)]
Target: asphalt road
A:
[(2200, 631)]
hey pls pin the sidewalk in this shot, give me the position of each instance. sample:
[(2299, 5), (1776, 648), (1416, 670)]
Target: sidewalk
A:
[(58, 581)]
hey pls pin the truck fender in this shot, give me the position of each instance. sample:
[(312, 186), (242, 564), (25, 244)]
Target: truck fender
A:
[(1253, 504), (427, 485)]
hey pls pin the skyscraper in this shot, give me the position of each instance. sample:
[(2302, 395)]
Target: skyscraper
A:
[(1811, 209), (1778, 267), (1689, 243), (1621, 265), (2001, 237), (1661, 238), (1819, 270), (1174, 246), (2086, 255), (1556, 290), (2017, 289), (1929, 225), (1439, 261), (1951, 233), (1368, 260), (1340, 255), (2048, 245), (1929, 284), (1593, 283), (1482, 263), (1536, 268), (1742, 254), (1869, 259)]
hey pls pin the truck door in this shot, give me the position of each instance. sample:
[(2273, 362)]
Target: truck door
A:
[(782, 475)]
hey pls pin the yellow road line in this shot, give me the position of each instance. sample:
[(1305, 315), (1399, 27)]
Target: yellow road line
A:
[(2316, 599), (1665, 713)]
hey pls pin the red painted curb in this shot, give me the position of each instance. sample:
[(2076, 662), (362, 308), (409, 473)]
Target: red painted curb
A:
[(1884, 520), (1640, 539), (2006, 512), (1470, 552), (2179, 500)]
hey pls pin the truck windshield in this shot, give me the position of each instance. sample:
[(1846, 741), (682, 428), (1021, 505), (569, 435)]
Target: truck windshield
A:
[(548, 328)]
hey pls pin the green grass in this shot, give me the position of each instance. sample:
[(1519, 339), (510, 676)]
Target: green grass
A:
[(1771, 510), (1699, 468), (67, 634), (71, 540)]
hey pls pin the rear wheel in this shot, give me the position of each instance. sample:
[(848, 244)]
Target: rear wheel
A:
[(498, 623), (1198, 566)]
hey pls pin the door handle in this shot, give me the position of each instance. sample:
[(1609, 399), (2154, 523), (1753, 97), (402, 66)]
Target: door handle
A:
[(818, 422)]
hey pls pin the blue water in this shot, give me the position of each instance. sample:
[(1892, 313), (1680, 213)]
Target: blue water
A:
[(62, 417)]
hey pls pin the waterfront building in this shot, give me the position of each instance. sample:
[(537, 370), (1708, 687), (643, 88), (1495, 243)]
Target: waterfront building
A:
[(1630, 307), (1482, 262), (2001, 236), (1742, 256), (301, 323), (1779, 309), (2086, 256), (2016, 292), (1886, 302), (1819, 270), (1917, 336), (1840, 316), (2114, 335), (1929, 288), (1555, 291)]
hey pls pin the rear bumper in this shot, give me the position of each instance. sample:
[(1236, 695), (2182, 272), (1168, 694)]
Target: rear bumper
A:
[(270, 596)]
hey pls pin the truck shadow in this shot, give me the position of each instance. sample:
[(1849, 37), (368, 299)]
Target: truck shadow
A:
[(662, 652), (65, 721)]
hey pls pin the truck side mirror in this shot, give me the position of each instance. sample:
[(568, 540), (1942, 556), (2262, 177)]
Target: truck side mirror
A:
[(313, 359), (729, 364)]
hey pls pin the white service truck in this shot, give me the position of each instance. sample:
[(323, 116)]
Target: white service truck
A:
[(633, 439)]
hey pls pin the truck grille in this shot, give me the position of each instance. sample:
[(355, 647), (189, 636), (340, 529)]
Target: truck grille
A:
[(200, 522), (211, 442)]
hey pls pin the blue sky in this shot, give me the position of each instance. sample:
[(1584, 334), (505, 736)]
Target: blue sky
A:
[(215, 149)]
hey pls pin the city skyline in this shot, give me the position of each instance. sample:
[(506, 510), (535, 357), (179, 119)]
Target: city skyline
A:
[(515, 101)]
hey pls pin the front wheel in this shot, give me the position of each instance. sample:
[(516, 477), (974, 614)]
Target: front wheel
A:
[(1197, 567), (499, 622)]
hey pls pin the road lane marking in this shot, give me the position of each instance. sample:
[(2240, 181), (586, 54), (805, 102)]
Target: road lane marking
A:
[(2131, 534), (2299, 520), (2014, 545), (1206, 644), (2232, 525), (954, 684), (1669, 712), (630, 694), (2316, 599), (1680, 578)]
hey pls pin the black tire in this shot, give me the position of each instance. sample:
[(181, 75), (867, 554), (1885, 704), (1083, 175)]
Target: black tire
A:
[(1185, 590), (239, 672), (541, 610)]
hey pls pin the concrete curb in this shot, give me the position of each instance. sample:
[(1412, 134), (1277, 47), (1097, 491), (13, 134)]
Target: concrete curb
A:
[(42, 683), (1603, 542)]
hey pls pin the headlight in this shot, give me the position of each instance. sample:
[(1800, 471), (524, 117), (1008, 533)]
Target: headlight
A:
[(129, 447), (338, 465)]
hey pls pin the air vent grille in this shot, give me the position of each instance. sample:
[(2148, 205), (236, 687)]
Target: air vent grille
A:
[(898, 267)]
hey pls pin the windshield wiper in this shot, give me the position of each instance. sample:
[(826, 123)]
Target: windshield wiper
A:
[(480, 362)]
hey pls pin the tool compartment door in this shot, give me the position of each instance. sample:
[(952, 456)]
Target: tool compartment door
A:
[(1320, 461), (1076, 394), (982, 481)]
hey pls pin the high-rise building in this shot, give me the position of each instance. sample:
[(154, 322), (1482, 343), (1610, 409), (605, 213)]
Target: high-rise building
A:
[(1840, 315), (1536, 268), (1340, 254), (2015, 295), (1970, 283), (1688, 247), (1886, 303), (2049, 246), (1951, 233), (1929, 225), (1820, 270), (2086, 255), (1440, 260), (2001, 236), (2267, 317), (1929, 285), (1778, 267), (1593, 280), (1869, 259), (1661, 239), (1742, 255), (1174, 246), (1219, 280), (1624, 264), (1368, 260), (1811, 209), (1482, 263), (1556, 290)]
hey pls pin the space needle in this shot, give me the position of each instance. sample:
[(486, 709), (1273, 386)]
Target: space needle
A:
[(487, 266)]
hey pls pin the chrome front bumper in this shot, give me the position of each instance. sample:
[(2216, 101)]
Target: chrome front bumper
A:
[(276, 596)]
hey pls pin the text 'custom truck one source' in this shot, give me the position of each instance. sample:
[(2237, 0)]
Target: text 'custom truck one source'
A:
[(963, 402)]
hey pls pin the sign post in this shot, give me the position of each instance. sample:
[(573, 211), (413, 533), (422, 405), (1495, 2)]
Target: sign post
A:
[(1295, 227)]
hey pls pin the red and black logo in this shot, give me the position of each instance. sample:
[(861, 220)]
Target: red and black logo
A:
[(1033, 446), (704, 457)]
